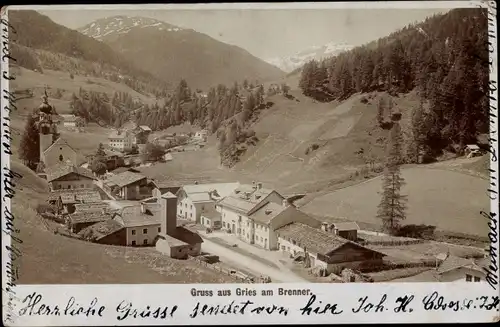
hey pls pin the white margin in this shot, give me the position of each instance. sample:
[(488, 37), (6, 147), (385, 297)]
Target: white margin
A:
[(346, 296)]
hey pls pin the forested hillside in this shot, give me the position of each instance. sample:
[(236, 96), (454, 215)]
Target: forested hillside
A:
[(445, 58)]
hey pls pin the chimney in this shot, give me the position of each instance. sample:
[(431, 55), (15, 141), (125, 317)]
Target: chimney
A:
[(285, 203), (195, 182), (168, 215), (143, 207), (324, 226), (259, 186)]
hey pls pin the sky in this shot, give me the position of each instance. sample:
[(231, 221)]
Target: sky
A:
[(269, 33)]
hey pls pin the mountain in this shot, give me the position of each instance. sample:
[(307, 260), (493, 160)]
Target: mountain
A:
[(173, 53), (290, 63), (42, 44)]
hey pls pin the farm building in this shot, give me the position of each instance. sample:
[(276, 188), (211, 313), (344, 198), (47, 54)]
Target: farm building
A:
[(194, 199), (456, 269), (69, 177), (128, 186), (175, 241), (78, 221), (324, 249), (65, 201), (142, 224), (108, 232), (347, 230)]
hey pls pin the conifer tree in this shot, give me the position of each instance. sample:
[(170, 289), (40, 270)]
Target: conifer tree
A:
[(392, 207), (30, 144)]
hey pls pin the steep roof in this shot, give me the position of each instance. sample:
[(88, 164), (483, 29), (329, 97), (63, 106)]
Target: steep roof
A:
[(78, 196), (59, 142), (91, 207), (132, 216), (316, 240), (88, 217), (102, 229), (452, 262), (268, 212), (246, 198), (118, 135), (145, 128), (64, 170), (125, 178), (223, 189)]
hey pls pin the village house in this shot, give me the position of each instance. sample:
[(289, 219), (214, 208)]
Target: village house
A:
[(66, 201), (195, 199), (176, 241), (140, 134), (120, 140), (142, 224), (201, 135), (80, 220), (113, 159), (211, 218), (162, 187), (128, 186), (108, 232), (69, 177), (456, 269), (325, 250)]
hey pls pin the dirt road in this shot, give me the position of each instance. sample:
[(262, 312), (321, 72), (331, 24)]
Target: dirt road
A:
[(256, 267)]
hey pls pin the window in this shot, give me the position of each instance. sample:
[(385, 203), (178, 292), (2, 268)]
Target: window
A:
[(223, 224), (191, 215), (82, 186), (181, 211), (191, 207), (159, 229), (248, 223), (477, 279), (133, 231), (145, 242), (133, 243), (61, 157), (468, 278), (144, 230)]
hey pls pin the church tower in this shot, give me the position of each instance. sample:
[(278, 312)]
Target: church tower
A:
[(46, 127)]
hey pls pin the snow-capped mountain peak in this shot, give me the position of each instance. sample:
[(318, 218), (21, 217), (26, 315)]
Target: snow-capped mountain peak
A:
[(297, 60), (110, 26)]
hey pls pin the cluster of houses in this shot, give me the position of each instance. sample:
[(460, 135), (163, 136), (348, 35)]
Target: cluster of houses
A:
[(155, 212), (124, 140)]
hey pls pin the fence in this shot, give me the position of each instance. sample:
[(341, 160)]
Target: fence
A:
[(391, 242), (222, 270)]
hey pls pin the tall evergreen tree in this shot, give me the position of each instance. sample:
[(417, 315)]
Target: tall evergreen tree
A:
[(30, 143), (392, 207)]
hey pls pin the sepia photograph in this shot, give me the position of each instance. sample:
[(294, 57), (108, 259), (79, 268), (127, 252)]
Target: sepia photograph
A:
[(250, 146)]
